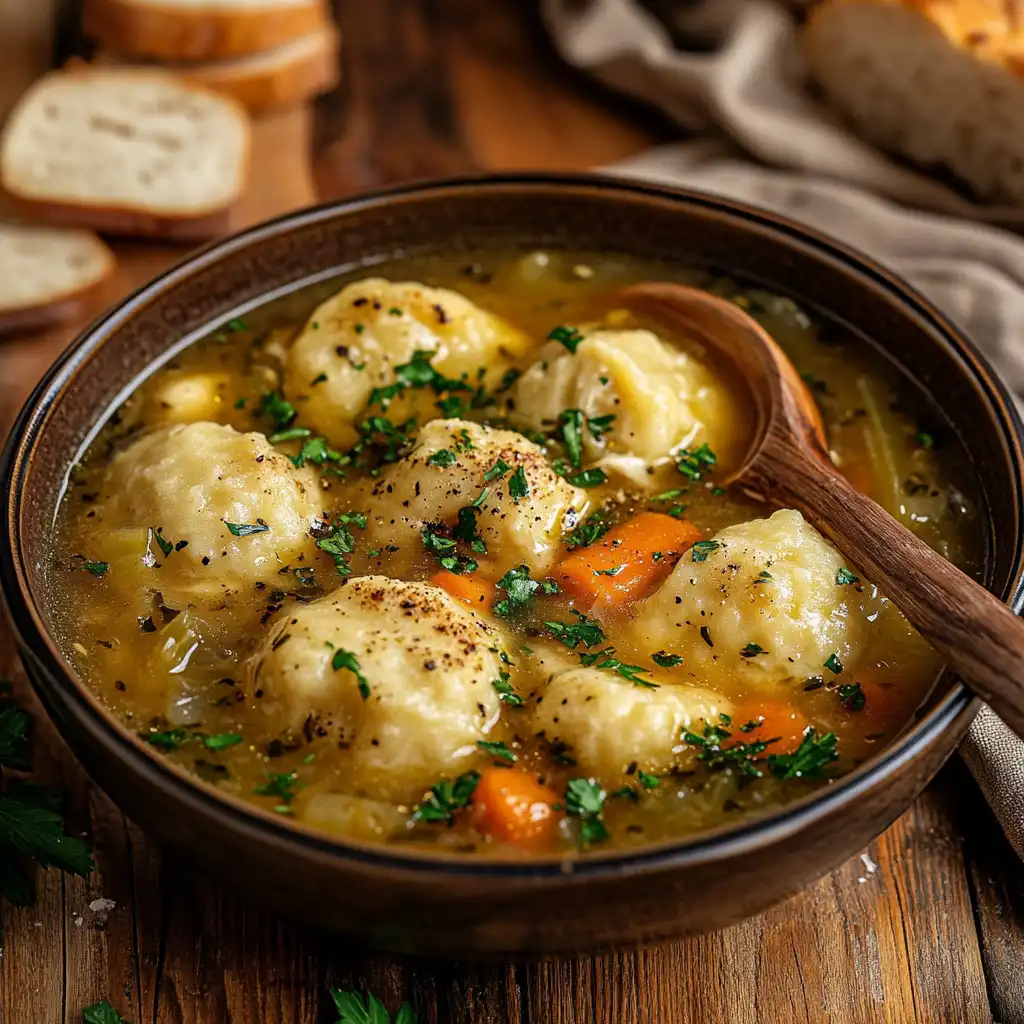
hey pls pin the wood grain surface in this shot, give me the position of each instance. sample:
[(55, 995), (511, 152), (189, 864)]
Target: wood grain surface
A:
[(926, 925)]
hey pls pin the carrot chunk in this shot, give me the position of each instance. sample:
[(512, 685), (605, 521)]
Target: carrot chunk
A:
[(469, 589), (628, 561), (513, 807), (781, 722)]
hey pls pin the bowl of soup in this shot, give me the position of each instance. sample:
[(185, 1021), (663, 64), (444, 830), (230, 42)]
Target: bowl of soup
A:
[(382, 560)]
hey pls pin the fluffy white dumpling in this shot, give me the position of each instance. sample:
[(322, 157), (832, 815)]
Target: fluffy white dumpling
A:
[(662, 399), (610, 724), (189, 482), (413, 492), (352, 343), (770, 583), (428, 663)]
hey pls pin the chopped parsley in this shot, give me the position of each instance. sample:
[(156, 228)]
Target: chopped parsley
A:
[(592, 529), (289, 434), (833, 664), (443, 458), (764, 576), (584, 633), (352, 1009), (592, 477), (702, 548), (852, 697), (809, 760), (741, 756), (506, 691), (571, 423), (169, 739), (498, 470), (445, 550), (845, 578), (605, 659), (694, 464), (520, 589), (584, 799), (340, 543), (666, 660), (566, 335), (222, 740), (646, 780), (237, 325), (752, 650), (498, 750), (102, 1013), (466, 529), (96, 569), (447, 797), (598, 425), (282, 785), (925, 439), (417, 373), (612, 571), (317, 451), (384, 440), (517, 485), (346, 660), (240, 403), (246, 529), (280, 411), (675, 492), (165, 545)]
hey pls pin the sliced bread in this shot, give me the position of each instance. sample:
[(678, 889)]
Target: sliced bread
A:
[(939, 82), (49, 276), (198, 29), (128, 152), (286, 74)]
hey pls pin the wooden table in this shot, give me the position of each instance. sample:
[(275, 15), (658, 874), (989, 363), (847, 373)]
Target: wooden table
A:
[(926, 925)]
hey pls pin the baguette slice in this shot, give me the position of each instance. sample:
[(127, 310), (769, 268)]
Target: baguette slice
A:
[(198, 29), (128, 152), (286, 74), (938, 83), (49, 276)]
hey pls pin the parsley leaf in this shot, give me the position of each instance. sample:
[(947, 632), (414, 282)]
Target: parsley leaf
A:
[(354, 1010), (417, 373), (169, 739), (592, 477), (498, 750), (598, 425), (764, 576), (584, 799), (444, 548), (517, 485), (347, 660), (606, 659), (317, 451), (447, 797), (498, 470), (833, 664), (702, 548), (340, 543), (809, 760), (165, 545), (666, 660), (443, 458), (102, 1013), (592, 529), (506, 691), (520, 589), (571, 429), (282, 785), (222, 740), (96, 569), (586, 633), (246, 529), (569, 336), (852, 697), (281, 412), (647, 781), (694, 464), (752, 650), (741, 756), (845, 578)]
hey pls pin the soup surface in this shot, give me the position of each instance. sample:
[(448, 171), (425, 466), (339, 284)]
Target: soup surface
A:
[(448, 563)]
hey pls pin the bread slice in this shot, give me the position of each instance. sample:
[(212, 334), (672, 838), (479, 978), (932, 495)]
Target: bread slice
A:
[(49, 276), (938, 82), (128, 152), (198, 29), (286, 74)]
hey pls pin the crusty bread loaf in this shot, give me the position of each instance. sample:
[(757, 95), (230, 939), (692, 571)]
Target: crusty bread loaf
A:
[(49, 275), (198, 29), (286, 74), (128, 152), (939, 82)]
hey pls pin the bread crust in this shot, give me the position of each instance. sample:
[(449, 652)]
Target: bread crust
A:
[(196, 33), (63, 308), (132, 220), (262, 87)]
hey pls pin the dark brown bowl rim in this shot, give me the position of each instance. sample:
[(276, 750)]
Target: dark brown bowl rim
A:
[(703, 847)]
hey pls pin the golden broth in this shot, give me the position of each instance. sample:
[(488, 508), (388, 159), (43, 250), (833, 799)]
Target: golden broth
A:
[(171, 668)]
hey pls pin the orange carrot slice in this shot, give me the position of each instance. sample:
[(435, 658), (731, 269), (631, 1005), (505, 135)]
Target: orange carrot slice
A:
[(513, 807), (628, 561), (469, 589), (775, 720)]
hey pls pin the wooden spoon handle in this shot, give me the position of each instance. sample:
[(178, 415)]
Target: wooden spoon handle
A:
[(981, 638)]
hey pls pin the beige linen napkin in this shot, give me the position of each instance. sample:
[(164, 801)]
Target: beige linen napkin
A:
[(735, 78)]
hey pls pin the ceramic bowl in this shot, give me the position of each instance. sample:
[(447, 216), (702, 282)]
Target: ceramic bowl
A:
[(441, 904)]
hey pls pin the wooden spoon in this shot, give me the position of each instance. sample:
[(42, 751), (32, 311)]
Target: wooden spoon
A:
[(788, 465)]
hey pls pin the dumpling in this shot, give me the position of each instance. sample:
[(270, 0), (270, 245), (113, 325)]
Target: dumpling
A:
[(426, 664), (609, 723), (662, 399), (352, 343), (764, 605), (182, 396), (421, 489), (230, 508)]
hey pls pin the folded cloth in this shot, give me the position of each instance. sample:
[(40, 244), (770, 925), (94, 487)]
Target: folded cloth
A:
[(730, 71)]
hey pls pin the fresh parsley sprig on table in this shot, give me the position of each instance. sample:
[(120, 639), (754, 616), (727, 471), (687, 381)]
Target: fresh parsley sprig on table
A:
[(354, 1009), (31, 822)]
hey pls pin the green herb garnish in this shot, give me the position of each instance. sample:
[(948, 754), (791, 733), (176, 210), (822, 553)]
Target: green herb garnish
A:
[(852, 697), (346, 660), (584, 799), (584, 633), (702, 548), (354, 1010), (447, 797), (845, 578), (498, 750), (517, 485), (96, 569), (566, 335), (246, 529), (605, 659), (833, 664), (809, 760), (520, 589), (280, 411), (666, 660), (506, 692), (694, 464)]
